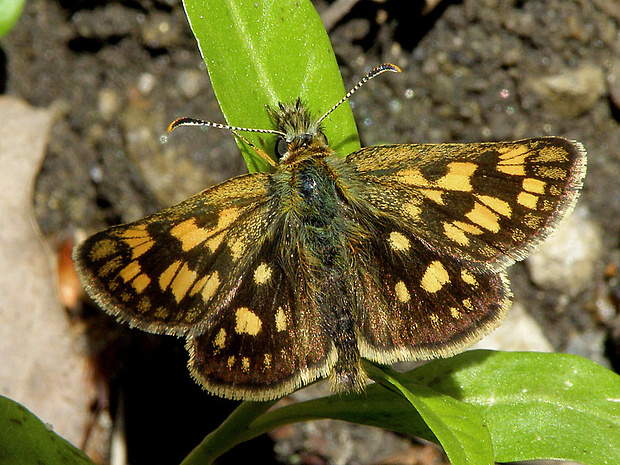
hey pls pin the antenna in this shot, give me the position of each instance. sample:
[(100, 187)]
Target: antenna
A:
[(234, 129), (382, 68)]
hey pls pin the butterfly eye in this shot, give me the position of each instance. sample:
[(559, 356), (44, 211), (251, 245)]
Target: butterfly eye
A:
[(281, 147)]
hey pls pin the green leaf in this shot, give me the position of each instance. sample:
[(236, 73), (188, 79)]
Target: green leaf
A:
[(10, 10), (536, 405), (24, 439), (458, 426), (262, 52)]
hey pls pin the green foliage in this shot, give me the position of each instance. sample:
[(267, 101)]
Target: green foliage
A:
[(262, 52), (457, 426), (25, 439)]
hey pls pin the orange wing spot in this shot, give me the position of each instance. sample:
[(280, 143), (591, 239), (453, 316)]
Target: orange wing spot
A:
[(166, 277), (130, 271), (247, 322), (140, 283), (182, 282), (535, 186), (484, 217), (211, 287), (455, 234), (458, 177), (500, 206), (527, 200), (189, 234), (402, 293)]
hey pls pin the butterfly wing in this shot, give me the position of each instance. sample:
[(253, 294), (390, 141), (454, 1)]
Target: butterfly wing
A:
[(168, 272), (267, 349), (486, 203), (415, 303), (207, 268), (444, 221)]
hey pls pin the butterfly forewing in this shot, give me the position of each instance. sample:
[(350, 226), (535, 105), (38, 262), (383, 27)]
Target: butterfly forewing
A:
[(487, 203), (177, 269)]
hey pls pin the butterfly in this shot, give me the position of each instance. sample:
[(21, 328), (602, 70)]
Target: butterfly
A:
[(392, 253)]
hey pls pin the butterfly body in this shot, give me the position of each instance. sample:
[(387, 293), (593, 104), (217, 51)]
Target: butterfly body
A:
[(392, 253), (319, 225)]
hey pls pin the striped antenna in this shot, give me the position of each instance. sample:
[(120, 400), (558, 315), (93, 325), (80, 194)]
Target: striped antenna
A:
[(236, 129), (382, 68), (199, 122)]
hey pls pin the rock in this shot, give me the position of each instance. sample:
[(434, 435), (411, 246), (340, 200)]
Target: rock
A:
[(41, 362), (567, 261), (519, 332), (568, 94)]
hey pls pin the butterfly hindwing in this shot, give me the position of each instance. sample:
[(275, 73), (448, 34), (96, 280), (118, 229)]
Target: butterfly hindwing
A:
[(269, 340), (425, 304)]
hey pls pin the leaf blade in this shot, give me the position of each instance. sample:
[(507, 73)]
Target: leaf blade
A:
[(457, 425), (264, 52), (493, 383), (26, 439)]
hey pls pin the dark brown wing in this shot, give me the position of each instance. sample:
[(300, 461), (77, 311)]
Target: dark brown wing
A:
[(415, 303), (208, 269), (269, 342), (443, 222), (174, 270)]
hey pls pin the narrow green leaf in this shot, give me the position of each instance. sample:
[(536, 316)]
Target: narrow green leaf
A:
[(24, 439), (377, 406), (458, 426), (262, 52)]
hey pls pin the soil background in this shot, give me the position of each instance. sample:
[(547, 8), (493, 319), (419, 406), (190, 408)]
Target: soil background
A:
[(117, 72)]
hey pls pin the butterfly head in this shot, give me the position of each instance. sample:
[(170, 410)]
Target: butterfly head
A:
[(299, 130)]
